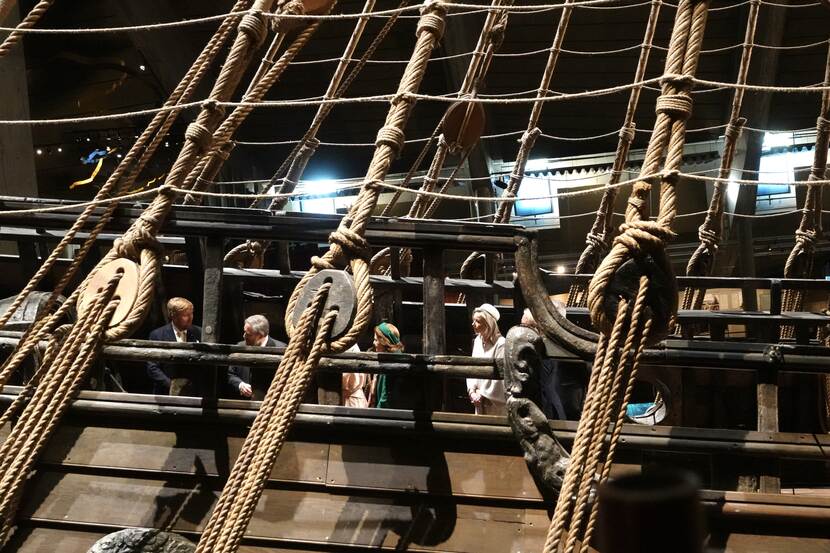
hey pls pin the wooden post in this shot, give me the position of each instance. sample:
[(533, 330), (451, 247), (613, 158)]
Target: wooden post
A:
[(211, 303), (196, 270), (283, 258), (435, 337), (769, 480)]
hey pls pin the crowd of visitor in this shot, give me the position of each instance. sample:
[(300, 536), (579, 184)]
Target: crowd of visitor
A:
[(562, 384)]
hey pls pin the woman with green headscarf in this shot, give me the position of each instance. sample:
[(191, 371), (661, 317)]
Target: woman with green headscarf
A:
[(387, 340)]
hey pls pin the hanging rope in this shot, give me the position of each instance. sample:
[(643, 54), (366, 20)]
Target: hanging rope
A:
[(489, 41), (531, 134), (598, 240), (631, 316), (349, 248), (800, 261), (702, 260), (251, 253), (28, 22)]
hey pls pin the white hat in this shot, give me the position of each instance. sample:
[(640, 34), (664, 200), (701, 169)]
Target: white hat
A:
[(489, 309)]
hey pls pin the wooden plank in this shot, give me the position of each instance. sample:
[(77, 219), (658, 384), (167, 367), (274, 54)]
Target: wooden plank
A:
[(767, 390), (50, 540), (387, 523), (430, 469), (190, 451)]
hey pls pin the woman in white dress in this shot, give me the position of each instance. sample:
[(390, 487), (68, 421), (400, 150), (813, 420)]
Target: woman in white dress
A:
[(487, 395)]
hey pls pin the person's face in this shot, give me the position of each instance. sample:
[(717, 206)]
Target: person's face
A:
[(183, 319), (478, 324), (251, 338), (377, 344)]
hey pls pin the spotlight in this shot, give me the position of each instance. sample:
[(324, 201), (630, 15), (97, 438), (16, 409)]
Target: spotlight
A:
[(39, 151), (60, 150), (560, 269), (142, 68)]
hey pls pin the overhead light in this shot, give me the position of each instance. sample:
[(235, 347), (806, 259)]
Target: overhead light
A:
[(142, 68), (60, 150), (39, 151), (560, 269)]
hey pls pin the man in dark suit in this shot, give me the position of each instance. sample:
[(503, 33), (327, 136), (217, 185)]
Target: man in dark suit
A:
[(177, 380), (247, 383), (562, 383)]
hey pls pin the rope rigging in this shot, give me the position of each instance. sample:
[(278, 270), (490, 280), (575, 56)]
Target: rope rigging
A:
[(800, 261), (136, 255), (528, 139), (702, 260), (457, 133), (28, 22), (632, 296), (598, 240), (349, 248)]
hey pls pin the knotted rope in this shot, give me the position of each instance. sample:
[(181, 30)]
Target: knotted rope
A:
[(631, 313), (528, 139), (349, 248), (702, 260), (800, 261), (598, 239), (28, 22)]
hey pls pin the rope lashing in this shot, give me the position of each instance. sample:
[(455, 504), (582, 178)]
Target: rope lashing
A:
[(28, 22), (800, 261), (633, 294)]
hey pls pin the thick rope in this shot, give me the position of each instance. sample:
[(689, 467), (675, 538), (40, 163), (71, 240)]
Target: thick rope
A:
[(121, 179), (639, 238), (800, 261), (702, 260), (28, 22), (598, 239), (532, 132), (60, 384)]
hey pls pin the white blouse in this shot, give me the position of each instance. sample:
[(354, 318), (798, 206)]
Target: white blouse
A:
[(491, 389)]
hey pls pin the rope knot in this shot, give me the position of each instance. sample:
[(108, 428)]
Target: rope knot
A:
[(199, 134), (594, 241), (806, 238), (627, 133), (253, 25), (391, 136), (353, 244), (643, 237), (213, 105), (677, 80), (432, 19), (734, 128), (321, 264), (496, 34), (678, 106), (822, 124), (375, 184), (134, 241), (670, 175), (529, 135)]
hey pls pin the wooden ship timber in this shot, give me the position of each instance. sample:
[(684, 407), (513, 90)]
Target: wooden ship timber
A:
[(736, 396)]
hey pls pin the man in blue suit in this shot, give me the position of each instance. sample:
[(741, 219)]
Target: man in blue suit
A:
[(177, 380)]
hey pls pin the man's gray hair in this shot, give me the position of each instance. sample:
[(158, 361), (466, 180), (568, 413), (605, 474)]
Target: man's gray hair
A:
[(259, 324)]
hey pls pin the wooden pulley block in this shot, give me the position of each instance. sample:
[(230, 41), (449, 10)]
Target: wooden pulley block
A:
[(463, 125), (342, 296), (126, 291), (661, 298)]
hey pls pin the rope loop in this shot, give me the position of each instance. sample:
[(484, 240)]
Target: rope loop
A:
[(391, 136), (594, 241), (806, 238), (529, 135), (212, 105), (353, 244), (253, 24), (677, 80), (134, 242), (199, 134), (321, 264), (707, 236), (678, 106)]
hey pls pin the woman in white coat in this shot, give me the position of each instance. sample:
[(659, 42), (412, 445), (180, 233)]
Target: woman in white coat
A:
[(487, 396)]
